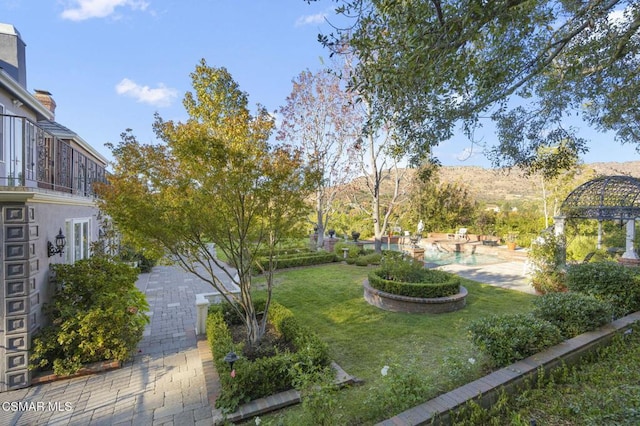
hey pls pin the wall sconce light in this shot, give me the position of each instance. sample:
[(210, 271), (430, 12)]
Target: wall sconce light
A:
[(59, 245)]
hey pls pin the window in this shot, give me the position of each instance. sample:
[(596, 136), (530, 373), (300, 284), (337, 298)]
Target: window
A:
[(78, 239)]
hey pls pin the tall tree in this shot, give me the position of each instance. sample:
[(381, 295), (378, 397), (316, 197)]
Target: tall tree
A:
[(319, 119), (379, 155), (433, 64), (214, 179)]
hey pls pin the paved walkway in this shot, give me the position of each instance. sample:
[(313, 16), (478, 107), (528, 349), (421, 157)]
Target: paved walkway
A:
[(163, 385)]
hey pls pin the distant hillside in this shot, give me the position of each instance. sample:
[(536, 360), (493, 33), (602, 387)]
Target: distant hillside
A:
[(494, 186), (491, 185)]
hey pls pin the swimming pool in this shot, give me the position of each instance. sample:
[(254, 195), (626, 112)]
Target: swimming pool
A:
[(447, 258)]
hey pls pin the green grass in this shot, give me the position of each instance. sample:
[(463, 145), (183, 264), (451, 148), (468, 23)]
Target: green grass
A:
[(329, 300)]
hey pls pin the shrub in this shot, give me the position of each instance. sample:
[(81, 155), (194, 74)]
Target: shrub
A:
[(433, 284), (580, 246), (353, 252), (546, 264), (572, 313), (373, 258), (550, 282), (266, 375), (509, 338), (608, 281), (96, 314), (394, 267)]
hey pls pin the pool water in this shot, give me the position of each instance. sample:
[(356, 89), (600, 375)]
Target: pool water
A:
[(447, 258)]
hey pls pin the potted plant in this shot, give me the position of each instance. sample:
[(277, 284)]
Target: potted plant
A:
[(355, 235), (511, 241), (332, 232)]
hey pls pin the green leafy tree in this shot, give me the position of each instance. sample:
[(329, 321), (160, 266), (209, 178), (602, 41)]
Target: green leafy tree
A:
[(526, 64), (442, 206), (214, 179)]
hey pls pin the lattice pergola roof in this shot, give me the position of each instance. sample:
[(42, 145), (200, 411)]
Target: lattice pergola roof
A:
[(604, 198)]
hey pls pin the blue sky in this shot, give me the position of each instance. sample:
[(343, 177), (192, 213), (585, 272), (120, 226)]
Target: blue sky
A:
[(111, 64)]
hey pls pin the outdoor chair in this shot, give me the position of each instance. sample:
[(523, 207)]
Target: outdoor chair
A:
[(462, 234)]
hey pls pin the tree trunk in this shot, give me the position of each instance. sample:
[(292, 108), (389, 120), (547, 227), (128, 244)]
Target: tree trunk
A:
[(254, 331), (320, 224)]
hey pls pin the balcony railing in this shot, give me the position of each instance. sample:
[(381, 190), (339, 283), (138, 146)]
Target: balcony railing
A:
[(31, 157)]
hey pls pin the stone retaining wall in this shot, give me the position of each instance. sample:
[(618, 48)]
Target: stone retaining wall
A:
[(396, 303)]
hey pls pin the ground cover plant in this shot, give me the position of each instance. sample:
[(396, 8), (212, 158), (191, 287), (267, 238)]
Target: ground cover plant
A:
[(402, 358), (601, 390)]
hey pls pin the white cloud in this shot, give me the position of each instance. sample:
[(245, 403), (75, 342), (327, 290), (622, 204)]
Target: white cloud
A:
[(79, 10), (318, 18), (161, 96)]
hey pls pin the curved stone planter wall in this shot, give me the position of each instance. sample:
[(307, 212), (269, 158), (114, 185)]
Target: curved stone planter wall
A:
[(396, 303)]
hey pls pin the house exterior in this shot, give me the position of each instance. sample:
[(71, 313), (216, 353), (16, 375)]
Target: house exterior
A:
[(47, 176)]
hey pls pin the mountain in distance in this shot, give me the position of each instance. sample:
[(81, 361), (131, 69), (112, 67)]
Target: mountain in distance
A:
[(495, 185)]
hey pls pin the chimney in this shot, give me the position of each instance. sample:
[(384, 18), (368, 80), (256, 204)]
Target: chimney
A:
[(12, 54), (46, 99)]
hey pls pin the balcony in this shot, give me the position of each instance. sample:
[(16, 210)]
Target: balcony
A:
[(31, 157)]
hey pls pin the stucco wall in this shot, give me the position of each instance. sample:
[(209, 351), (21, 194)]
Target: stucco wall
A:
[(25, 229)]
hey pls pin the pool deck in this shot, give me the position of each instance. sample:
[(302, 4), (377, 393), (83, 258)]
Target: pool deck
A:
[(509, 270), (509, 274)]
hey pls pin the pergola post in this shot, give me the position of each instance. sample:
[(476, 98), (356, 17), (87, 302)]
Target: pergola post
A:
[(560, 238), (630, 252), (599, 244)]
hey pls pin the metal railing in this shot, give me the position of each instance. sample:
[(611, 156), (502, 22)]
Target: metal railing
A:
[(31, 157)]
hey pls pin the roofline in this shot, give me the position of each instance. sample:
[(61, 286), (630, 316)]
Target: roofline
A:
[(35, 104), (24, 95), (91, 149)]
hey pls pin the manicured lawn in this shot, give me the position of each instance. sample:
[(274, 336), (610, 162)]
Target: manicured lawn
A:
[(329, 300)]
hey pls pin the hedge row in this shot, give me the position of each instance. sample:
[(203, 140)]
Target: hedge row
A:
[(611, 282), (556, 317), (263, 376), (435, 284), (286, 251), (302, 259)]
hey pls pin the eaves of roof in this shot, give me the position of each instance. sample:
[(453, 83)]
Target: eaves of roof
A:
[(24, 96)]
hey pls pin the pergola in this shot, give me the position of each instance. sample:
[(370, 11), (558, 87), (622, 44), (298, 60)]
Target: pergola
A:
[(615, 198)]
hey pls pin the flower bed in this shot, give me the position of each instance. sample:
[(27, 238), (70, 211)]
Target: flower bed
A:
[(266, 375), (422, 305), (406, 286)]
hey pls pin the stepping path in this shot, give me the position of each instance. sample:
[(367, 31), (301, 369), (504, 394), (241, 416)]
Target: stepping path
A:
[(164, 384)]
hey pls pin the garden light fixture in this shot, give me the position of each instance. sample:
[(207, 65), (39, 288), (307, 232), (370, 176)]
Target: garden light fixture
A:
[(230, 358)]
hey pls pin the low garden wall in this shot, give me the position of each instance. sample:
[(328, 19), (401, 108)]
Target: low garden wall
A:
[(397, 303), (485, 391)]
